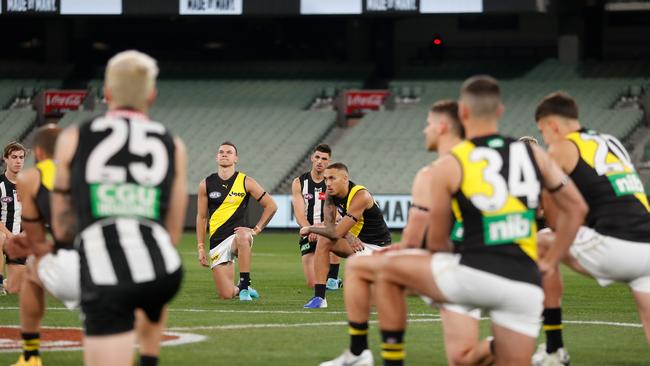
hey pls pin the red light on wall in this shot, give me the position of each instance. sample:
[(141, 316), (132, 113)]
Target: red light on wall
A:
[(437, 41)]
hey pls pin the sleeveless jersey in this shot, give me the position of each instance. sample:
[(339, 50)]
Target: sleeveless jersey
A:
[(370, 227), (10, 207), (227, 204), (314, 196), (495, 207), (618, 205), (47, 170), (121, 181)]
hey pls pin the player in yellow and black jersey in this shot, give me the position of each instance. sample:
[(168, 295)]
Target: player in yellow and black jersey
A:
[(614, 243), (222, 203), (493, 184), (52, 267), (361, 229)]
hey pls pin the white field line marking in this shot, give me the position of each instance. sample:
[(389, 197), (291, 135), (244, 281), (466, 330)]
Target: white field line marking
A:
[(295, 325), (314, 312)]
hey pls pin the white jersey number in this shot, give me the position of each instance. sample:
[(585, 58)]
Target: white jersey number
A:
[(140, 144), (607, 144), (522, 180)]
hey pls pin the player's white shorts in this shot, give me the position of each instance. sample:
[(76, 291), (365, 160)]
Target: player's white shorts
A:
[(610, 259), (224, 252), (59, 274), (368, 249), (511, 304)]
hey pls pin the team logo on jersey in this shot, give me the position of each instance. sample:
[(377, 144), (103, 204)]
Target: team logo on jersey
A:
[(214, 195), (237, 194), (124, 200), (308, 196), (7, 199), (321, 196)]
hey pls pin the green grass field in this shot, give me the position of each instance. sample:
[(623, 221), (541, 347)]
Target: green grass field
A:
[(276, 330)]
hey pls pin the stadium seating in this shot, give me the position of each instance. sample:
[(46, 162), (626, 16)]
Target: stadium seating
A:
[(265, 118), (15, 123), (386, 140)]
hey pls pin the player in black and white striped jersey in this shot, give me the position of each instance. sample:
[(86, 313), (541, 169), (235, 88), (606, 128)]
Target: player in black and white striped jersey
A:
[(308, 198), (120, 194), (10, 210)]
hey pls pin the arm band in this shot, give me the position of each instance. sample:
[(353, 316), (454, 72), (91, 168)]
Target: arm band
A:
[(352, 217), (62, 244), (262, 196), (420, 208), (563, 183)]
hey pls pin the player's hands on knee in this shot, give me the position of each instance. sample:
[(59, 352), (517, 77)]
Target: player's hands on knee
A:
[(355, 243), (18, 246), (305, 230), (203, 259)]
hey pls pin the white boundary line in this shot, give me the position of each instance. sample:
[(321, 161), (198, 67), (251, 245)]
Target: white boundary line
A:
[(230, 311), (294, 325)]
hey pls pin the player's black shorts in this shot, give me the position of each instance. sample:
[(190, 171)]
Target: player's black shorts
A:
[(20, 261), (110, 309), (306, 246)]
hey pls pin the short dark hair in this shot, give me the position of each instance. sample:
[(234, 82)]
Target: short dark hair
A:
[(228, 143), (450, 108), (324, 148), (14, 146), (484, 94), (45, 138), (338, 166), (558, 103)]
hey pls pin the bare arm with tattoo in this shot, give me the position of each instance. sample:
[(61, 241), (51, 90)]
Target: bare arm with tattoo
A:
[(335, 231), (64, 220), (329, 230)]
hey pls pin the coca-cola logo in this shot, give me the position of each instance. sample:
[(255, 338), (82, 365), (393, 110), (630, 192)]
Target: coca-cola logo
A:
[(371, 100), (72, 100)]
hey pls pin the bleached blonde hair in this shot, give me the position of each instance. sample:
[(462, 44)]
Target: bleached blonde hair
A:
[(131, 78)]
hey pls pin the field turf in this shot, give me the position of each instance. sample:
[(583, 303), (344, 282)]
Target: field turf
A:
[(601, 329)]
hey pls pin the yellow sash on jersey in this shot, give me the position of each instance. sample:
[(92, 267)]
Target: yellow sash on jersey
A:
[(588, 148), (473, 183), (356, 229), (229, 205), (48, 170)]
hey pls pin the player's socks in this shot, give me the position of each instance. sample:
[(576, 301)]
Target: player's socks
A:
[(244, 280), (553, 329), (319, 290), (392, 347), (358, 337), (31, 344), (146, 360), (334, 271)]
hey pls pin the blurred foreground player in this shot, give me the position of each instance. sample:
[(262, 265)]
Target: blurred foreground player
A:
[(613, 245), (443, 131), (120, 194)]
